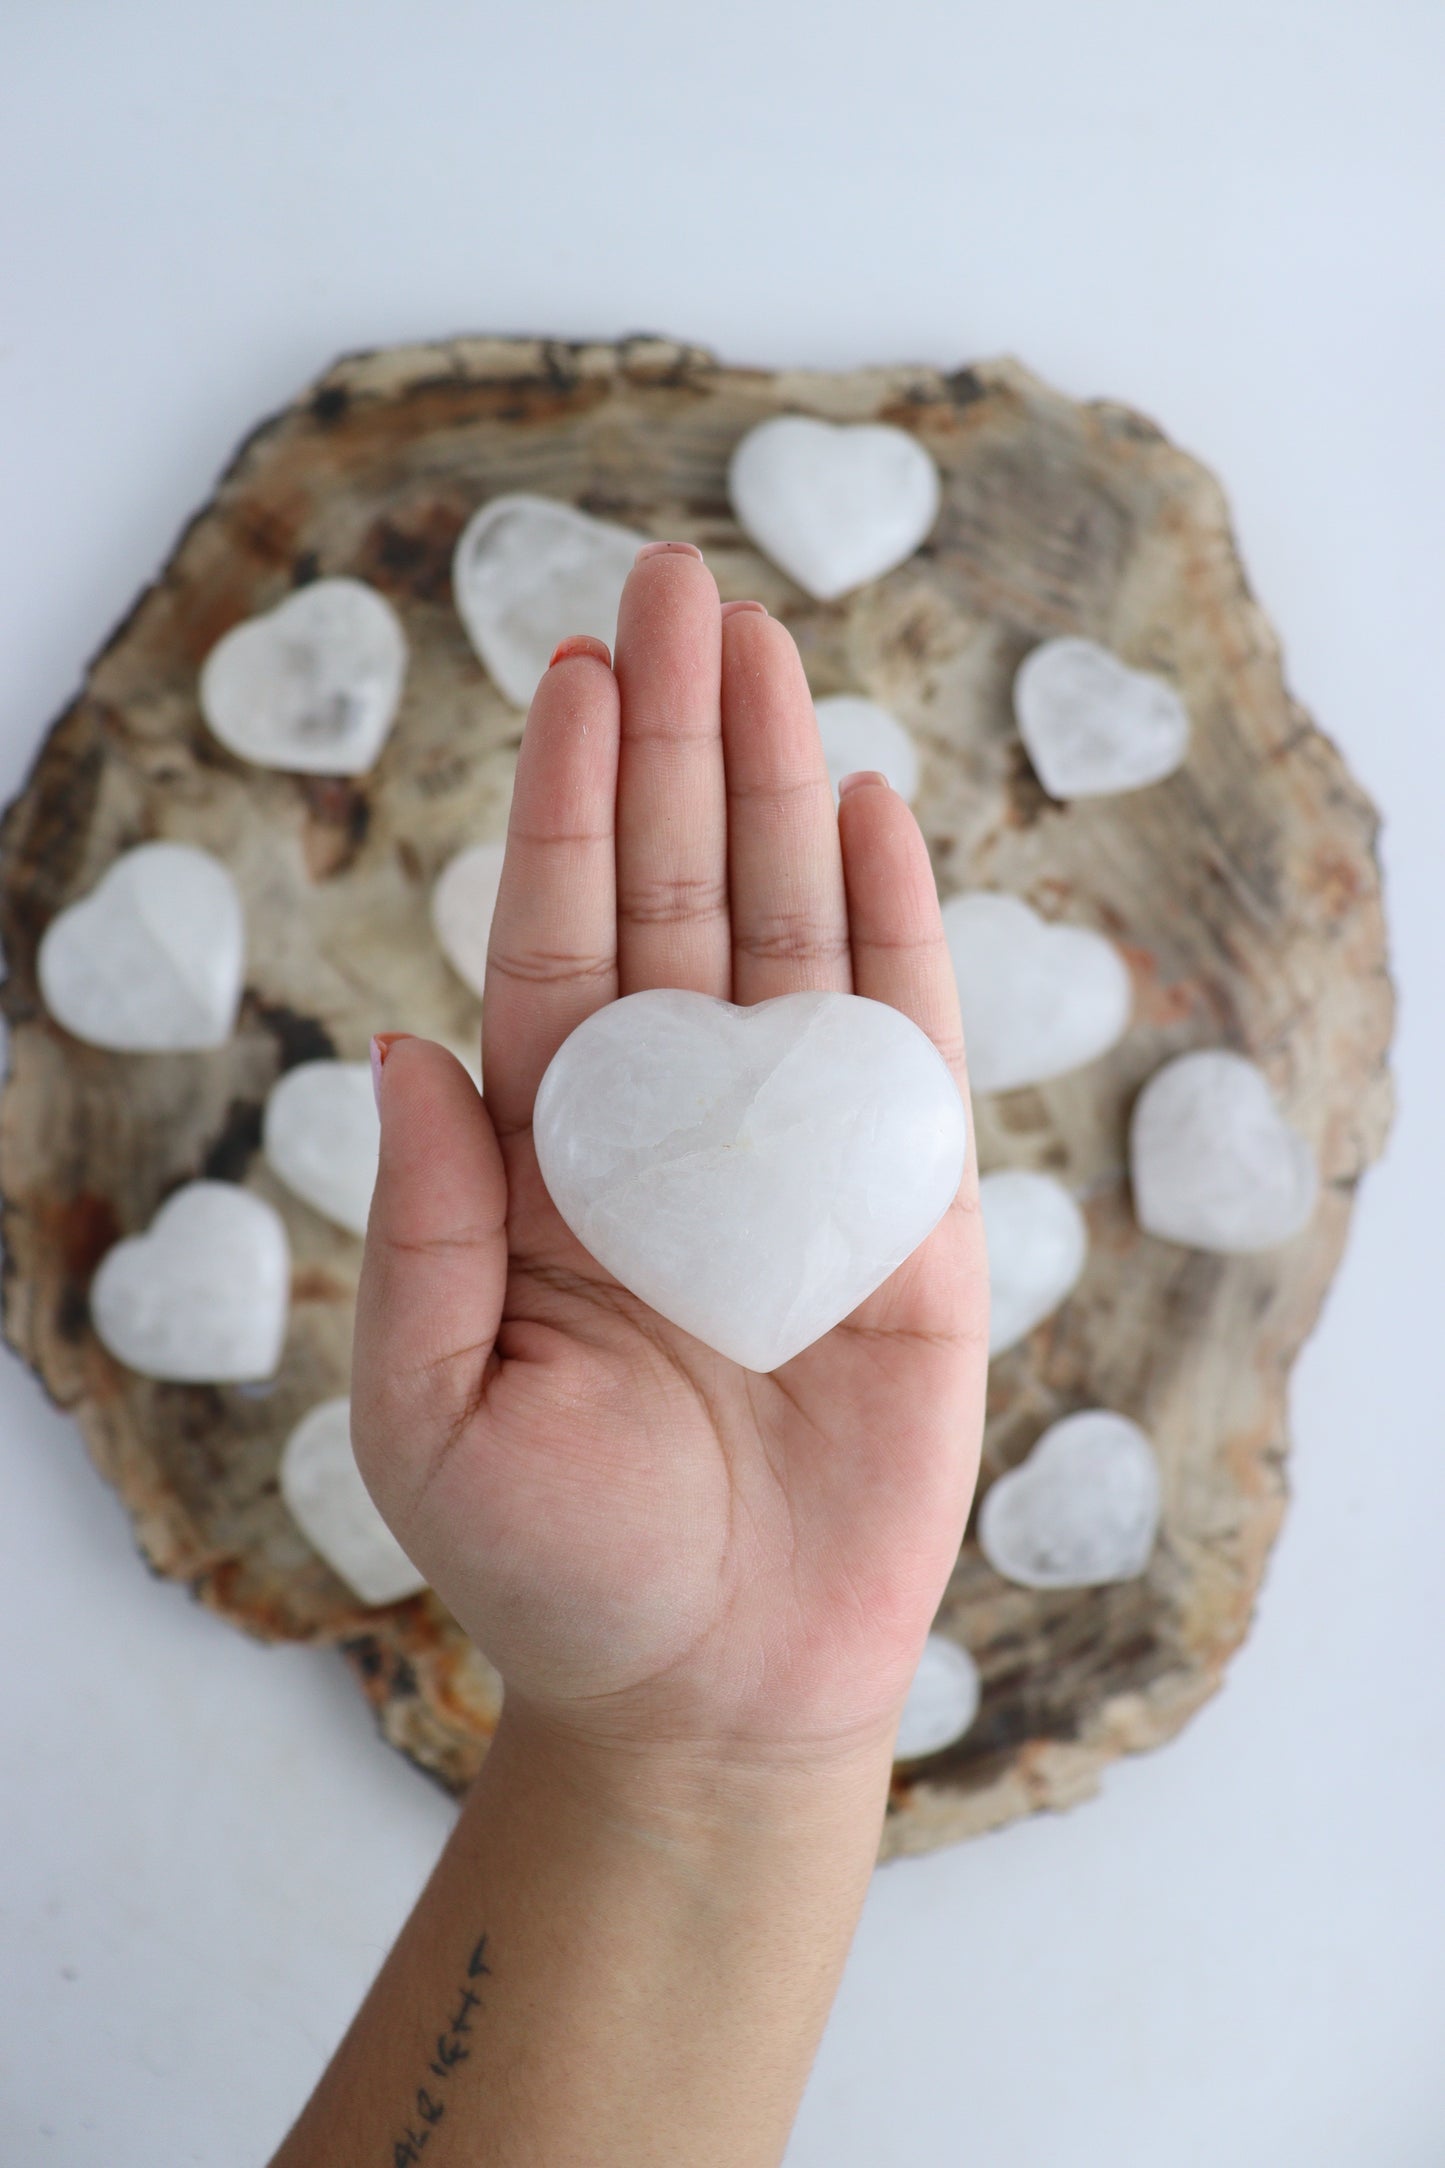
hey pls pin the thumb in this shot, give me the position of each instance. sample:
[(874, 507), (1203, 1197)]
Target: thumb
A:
[(434, 1270)]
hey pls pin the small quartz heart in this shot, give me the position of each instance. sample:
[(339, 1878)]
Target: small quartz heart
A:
[(858, 734), (331, 1505), (321, 1135), (942, 1701), (527, 572), (835, 505), (1213, 1162), (1037, 1244), (1092, 725), (201, 1297), (151, 960), (462, 904), (311, 686), (1037, 1000), (1082, 1510), (752, 1173)]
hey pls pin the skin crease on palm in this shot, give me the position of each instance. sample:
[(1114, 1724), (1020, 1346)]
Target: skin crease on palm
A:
[(659, 1550)]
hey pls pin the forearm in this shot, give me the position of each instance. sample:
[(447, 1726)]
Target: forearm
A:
[(615, 1962)]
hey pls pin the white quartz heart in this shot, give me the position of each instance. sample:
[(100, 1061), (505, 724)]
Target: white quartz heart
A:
[(1037, 1243), (857, 733), (321, 1134), (753, 1173), (942, 1701), (1092, 725), (333, 1508), (312, 685), (1213, 1162), (1082, 1510), (835, 505), (151, 960), (201, 1297), (1037, 1000), (528, 572), (462, 903)]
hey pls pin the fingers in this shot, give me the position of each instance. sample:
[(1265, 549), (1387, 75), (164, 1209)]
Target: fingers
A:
[(672, 915), (899, 952), (553, 953), (434, 1270), (785, 868)]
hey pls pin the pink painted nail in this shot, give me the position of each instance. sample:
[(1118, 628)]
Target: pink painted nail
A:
[(663, 549), (859, 777), (578, 643), (381, 1046), (733, 609)]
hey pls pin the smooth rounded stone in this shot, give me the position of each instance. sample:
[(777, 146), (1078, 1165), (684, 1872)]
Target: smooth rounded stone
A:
[(857, 733), (833, 504), (462, 903), (1213, 1162), (312, 686), (151, 961), (752, 1173), (321, 1135), (331, 1505), (1037, 1244), (942, 1701), (527, 573), (1037, 1000), (1092, 726), (1082, 1510), (202, 1296)]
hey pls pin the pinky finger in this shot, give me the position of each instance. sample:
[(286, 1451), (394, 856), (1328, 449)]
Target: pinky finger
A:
[(895, 927)]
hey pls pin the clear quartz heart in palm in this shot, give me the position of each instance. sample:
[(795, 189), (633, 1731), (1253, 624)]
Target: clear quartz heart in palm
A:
[(751, 1173)]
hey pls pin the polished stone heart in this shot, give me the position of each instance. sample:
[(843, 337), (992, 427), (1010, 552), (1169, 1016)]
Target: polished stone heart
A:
[(326, 1497), (1082, 1510), (528, 572), (151, 960), (462, 903), (942, 1701), (313, 685), (1037, 1244), (752, 1173), (1037, 1000), (321, 1135), (1214, 1164), (1093, 726), (835, 505), (857, 733), (201, 1297)]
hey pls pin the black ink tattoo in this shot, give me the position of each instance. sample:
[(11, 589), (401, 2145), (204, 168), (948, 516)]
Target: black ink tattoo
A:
[(430, 2107)]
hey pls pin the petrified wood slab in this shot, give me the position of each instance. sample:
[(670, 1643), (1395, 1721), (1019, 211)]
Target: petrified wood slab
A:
[(1244, 892)]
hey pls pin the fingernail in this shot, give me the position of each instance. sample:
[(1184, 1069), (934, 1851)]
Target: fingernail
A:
[(731, 609), (662, 549), (859, 776), (381, 1046), (577, 643)]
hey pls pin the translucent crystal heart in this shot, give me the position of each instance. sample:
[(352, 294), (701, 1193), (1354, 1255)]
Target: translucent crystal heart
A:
[(857, 733), (527, 572), (201, 1297), (326, 1497), (1093, 726), (1082, 1510), (311, 686), (1037, 1000), (151, 960), (942, 1701), (321, 1135), (835, 505), (752, 1173), (1214, 1164), (1037, 1243), (462, 904)]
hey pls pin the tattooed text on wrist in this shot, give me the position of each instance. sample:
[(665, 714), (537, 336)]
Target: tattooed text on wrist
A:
[(453, 2046)]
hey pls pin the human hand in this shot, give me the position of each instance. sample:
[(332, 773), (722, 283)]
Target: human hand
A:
[(654, 1546)]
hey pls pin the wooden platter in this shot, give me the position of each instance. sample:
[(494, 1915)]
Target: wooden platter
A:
[(1243, 891)]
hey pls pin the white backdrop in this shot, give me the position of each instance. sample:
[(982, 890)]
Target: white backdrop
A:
[(1229, 214)]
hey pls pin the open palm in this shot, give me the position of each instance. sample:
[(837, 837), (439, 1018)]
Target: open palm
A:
[(649, 1542)]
